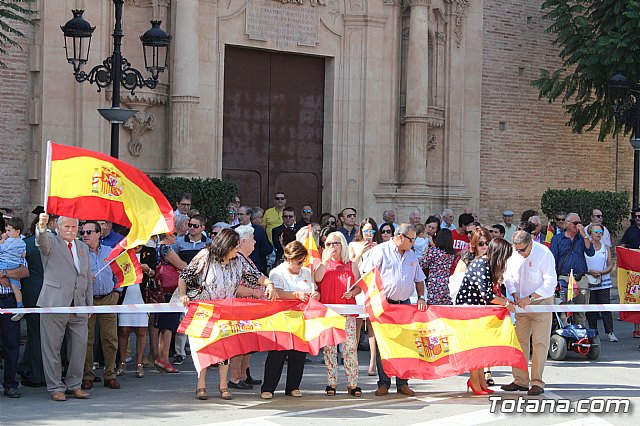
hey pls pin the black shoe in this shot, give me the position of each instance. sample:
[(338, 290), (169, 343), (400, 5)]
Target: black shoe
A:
[(240, 385), (512, 387), (12, 393), (177, 360), (250, 380)]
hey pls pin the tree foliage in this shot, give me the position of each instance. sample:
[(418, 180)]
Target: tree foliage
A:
[(12, 11), (597, 38)]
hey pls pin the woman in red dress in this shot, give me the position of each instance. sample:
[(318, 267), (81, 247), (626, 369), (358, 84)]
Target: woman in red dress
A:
[(336, 277)]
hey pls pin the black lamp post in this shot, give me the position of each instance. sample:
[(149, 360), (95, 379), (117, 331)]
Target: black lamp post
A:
[(115, 70), (627, 112)]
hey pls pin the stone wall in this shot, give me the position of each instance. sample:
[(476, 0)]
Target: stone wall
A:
[(14, 127), (526, 148)]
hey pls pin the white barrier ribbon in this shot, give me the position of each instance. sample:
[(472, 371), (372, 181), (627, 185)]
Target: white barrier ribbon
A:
[(341, 309)]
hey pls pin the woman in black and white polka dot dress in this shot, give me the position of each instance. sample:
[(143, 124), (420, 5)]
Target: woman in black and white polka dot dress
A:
[(480, 286)]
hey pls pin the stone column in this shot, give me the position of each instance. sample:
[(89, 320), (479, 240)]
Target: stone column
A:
[(184, 87), (413, 158)]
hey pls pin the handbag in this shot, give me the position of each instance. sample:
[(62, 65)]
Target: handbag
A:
[(167, 277), (153, 293), (596, 281)]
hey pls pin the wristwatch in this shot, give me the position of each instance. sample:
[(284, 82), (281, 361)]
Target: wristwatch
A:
[(531, 298), (4, 273), (421, 297)]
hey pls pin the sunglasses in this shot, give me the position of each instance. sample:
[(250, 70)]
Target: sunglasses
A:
[(232, 212), (332, 243), (597, 215), (194, 225), (331, 222), (408, 238), (597, 231), (215, 233), (288, 216), (637, 216), (175, 234), (483, 244), (350, 215), (307, 211), (280, 198), (386, 231), (369, 231), (522, 250), (89, 232), (560, 219), (576, 222)]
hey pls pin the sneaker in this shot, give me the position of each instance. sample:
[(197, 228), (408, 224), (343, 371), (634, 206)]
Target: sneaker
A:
[(95, 366), (17, 317), (177, 360), (612, 337)]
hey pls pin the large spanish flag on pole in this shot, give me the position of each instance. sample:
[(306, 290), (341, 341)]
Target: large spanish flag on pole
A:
[(629, 281), (87, 185), (221, 329)]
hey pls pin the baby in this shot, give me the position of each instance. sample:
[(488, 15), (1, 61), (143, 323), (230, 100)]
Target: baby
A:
[(421, 243), (12, 253)]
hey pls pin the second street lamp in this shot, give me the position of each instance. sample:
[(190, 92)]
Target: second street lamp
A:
[(115, 70)]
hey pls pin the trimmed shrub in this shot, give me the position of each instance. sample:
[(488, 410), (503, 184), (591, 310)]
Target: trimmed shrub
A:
[(211, 197), (614, 205)]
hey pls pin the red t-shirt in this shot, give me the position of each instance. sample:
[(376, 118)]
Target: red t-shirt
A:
[(460, 242), (334, 283)]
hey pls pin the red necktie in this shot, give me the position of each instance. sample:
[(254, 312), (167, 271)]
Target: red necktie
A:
[(71, 250)]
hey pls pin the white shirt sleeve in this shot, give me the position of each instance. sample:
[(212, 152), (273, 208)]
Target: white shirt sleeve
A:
[(510, 276), (549, 277)]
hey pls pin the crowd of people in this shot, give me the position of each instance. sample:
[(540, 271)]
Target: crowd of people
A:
[(259, 254)]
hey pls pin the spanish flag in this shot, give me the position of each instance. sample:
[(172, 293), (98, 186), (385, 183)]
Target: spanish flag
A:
[(445, 341), (87, 185), (549, 235), (310, 244), (376, 300), (221, 329), (572, 287), (127, 269), (629, 281)]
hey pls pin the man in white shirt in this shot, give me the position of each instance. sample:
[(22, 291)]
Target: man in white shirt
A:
[(447, 220), (531, 278), (401, 274), (597, 218)]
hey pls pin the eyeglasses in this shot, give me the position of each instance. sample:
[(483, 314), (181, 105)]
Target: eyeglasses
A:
[(215, 233), (331, 222), (288, 216), (522, 250), (597, 231), (307, 211), (597, 215), (409, 238), (560, 219), (386, 231), (332, 243), (88, 232), (576, 222), (194, 225), (369, 231), (279, 198), (350, 215), (483, 244)]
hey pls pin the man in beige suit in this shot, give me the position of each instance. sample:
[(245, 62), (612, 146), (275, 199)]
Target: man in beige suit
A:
[(67, 282)]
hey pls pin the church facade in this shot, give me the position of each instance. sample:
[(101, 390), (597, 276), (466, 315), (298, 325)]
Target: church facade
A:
[(373, 104)]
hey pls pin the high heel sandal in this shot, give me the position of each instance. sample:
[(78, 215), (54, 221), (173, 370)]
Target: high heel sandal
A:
[(201, 394), (354, 391), (162, 366), (140, 371), (121, 370), (225, 394), (330, 391), (475, 392), (489, 379)]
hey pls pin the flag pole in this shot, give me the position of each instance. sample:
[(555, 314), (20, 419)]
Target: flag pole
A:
[(47, 175)]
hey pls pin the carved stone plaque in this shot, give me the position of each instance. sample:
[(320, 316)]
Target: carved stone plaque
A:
[(285, 25)]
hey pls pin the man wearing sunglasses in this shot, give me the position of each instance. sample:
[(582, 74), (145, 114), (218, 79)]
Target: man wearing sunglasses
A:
[(104, 294), (306, 215), (348, 217), (273, 216), (188, 246), (596, 219), (530, 278), (569, 249), (288, 226), (401, 275)]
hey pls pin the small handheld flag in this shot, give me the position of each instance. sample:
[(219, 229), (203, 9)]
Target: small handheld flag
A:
[(127, 269), (572, 287)]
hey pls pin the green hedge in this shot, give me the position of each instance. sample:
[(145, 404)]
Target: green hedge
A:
[(211, 197), (614, 205)]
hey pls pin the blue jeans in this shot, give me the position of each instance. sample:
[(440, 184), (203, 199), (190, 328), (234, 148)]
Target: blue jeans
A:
[(383, 379), (10, 331)]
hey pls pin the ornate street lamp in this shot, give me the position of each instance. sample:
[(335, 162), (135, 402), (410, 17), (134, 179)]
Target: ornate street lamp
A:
[(627, 112), (115, 70)]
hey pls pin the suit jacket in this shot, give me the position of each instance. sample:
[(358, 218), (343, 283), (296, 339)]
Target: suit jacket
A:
[(62, 282), (262, 249), (32, 285), (277, 231)]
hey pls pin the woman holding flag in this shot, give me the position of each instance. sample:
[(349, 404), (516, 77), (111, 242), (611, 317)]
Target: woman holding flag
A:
[(336, 277), (216, 273)]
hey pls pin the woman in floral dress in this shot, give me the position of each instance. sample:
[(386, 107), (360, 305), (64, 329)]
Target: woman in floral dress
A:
[(436, 262)]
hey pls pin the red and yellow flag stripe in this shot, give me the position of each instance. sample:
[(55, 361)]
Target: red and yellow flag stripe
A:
[(629, 281), (127, 269), (376, 300)]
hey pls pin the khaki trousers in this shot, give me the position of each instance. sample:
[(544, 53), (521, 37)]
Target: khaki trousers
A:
[(538, 328), (108, 339)]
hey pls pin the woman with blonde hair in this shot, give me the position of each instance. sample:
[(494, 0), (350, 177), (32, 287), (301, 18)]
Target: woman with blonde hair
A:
[(336, 276)]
